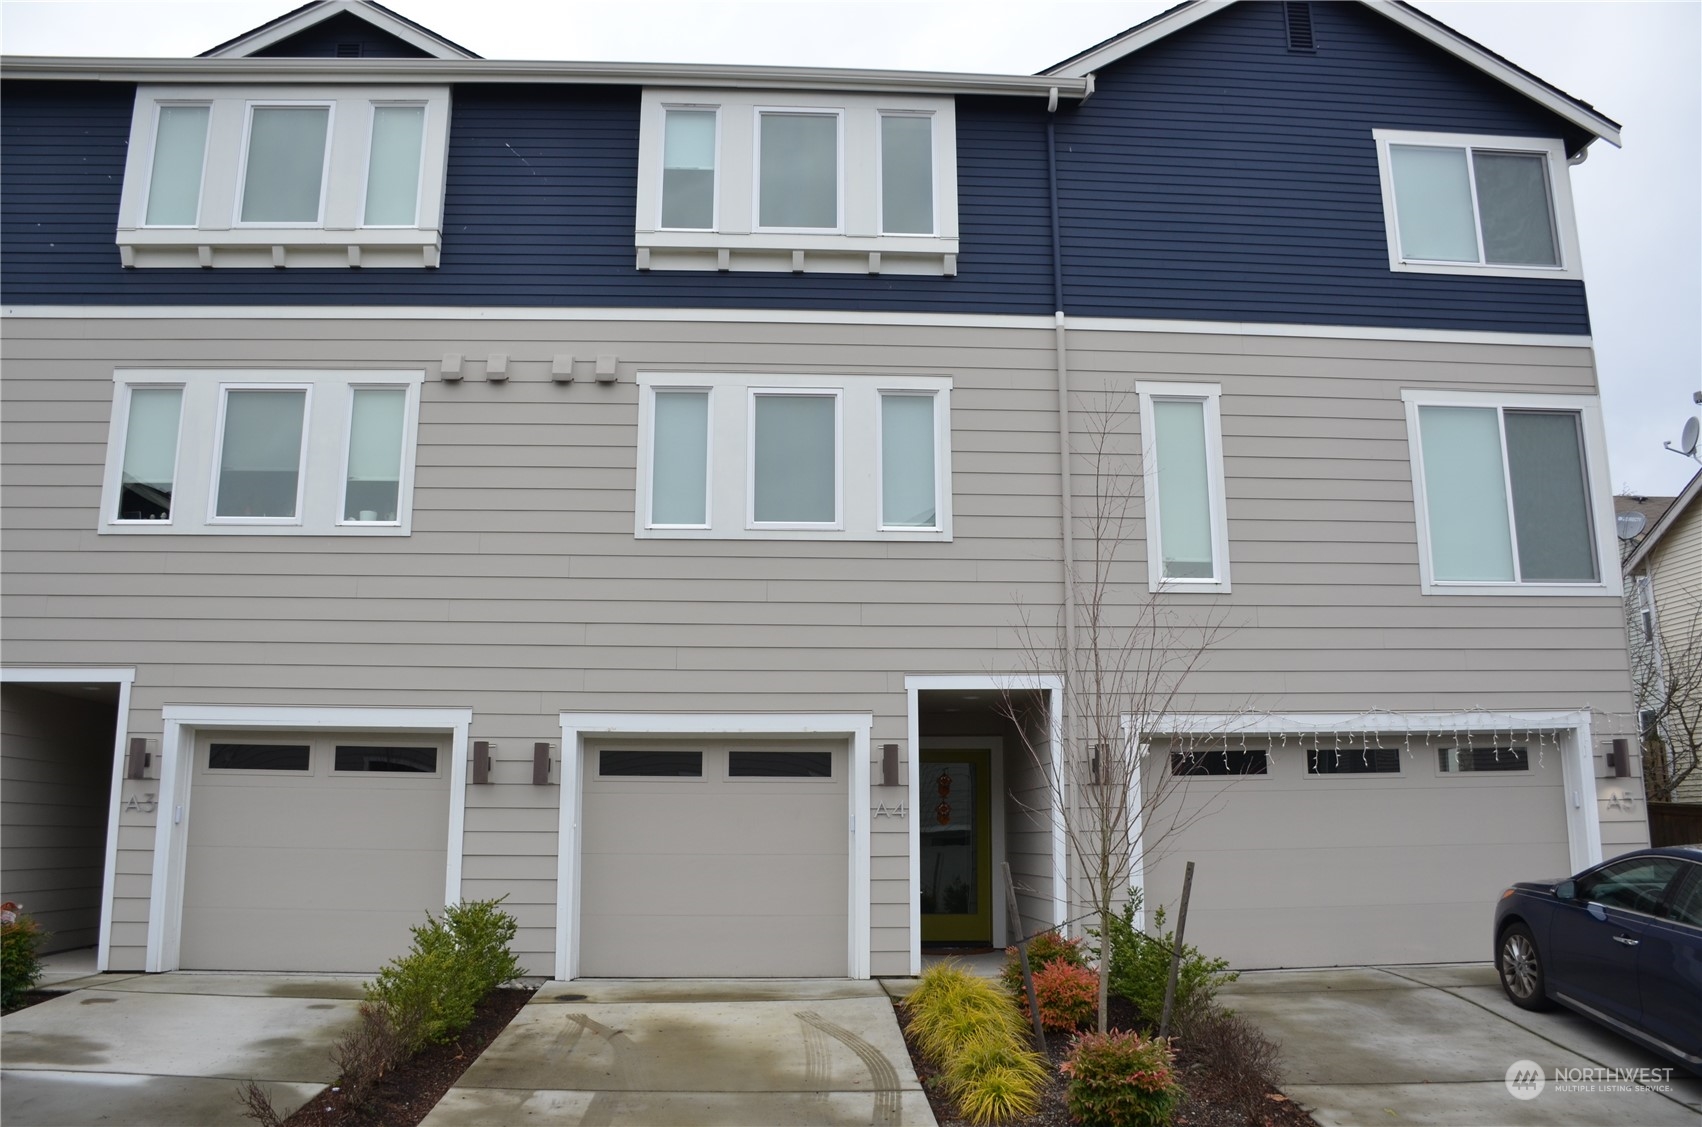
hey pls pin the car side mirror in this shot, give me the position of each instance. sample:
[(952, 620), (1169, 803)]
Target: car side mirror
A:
[(1566, 890)]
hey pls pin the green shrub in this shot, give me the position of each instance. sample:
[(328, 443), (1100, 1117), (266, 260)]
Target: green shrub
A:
[(1120, 1079), (1043, 950), (1140, 967), (20, 964), (971, 1031), (1068, 995), (431, 993)]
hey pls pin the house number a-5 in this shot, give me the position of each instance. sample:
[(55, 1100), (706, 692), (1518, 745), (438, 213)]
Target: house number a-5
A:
[(145, 803)]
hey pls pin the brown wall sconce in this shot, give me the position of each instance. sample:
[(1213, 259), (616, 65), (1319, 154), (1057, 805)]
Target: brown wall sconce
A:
[(481, 761), (137, 760), (541, 764), (1619, 759), (889, 766)]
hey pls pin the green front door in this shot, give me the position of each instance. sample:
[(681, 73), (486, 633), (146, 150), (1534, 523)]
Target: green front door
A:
[(955, 808)]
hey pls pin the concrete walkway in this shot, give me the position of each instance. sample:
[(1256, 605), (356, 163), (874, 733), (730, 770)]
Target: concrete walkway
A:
[(171, 1049), (1433, 1045), (726, 1052)]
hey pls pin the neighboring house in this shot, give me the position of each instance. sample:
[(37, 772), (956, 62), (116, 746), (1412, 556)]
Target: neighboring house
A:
[(620, 489), (1663, 600)]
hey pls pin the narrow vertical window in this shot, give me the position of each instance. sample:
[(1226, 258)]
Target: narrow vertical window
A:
[(174, 187), (1184, 489), (285, 166), (907, 174), (1465, 494), (798, 170), (373, 485), (679, 459), (393, 166), (260, 453), (688, 170), (795, 459), (909, 481), (150, 453)]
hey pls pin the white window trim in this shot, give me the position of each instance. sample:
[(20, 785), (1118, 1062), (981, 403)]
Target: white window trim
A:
[(120, 441), (339, 238), (880, 173), (320, 480), (731, 438), (661, 169), (225, 389), (1588, 409), (837, 395), (330, 108), (147, 188), (838, 116), (1559, 195), (373, 106), (942, 436), (737, 242), (404, 472), (1208, 395)]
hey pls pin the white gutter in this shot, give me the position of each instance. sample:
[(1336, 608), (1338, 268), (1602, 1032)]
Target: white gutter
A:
[(414, 71)]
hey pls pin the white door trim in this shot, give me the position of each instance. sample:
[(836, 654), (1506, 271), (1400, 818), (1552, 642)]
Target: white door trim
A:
[(1053, 687), (123, 678), (1572, 731), (177, 758), (575, 726)]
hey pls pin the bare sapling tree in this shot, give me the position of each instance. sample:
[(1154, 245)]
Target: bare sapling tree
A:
[(1123, 655), (1669, 700)]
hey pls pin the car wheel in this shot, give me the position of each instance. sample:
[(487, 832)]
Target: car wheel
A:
[(1521, 968)]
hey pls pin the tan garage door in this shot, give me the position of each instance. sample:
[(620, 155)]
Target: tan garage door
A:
[(312, 852), (715, 859)]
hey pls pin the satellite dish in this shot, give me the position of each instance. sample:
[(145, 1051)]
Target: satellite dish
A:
[(1630, 524), (1687, 437)]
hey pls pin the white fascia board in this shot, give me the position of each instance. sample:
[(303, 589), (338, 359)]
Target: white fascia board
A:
[(1307, 723), (379, 71), (1450, 41), (289, 25)]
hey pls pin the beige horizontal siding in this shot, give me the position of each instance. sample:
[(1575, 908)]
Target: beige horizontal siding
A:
[(522, 591)]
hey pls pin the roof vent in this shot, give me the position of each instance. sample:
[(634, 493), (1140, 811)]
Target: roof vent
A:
[(1297, 17), (352, 50)]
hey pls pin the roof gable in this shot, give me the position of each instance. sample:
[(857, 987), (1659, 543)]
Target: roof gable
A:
[(318, 28), (1580, 114), (1662, 526)]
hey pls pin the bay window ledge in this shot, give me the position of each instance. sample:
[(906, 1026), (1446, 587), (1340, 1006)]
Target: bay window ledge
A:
[(282, 247), (829, 253)]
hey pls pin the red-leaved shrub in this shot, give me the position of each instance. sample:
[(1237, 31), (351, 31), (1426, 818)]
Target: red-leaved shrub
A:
[(1068, 995)]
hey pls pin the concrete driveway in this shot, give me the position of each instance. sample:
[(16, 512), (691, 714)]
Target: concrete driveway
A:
[(733, 1052), (170, 1049), (1433, 1045)]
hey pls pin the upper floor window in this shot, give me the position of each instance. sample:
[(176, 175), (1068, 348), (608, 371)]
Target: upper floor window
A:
[(284, 176), (736, 180), (1461, 203), (810, 457), (1182, 469), (308, 452), (1510, 492)]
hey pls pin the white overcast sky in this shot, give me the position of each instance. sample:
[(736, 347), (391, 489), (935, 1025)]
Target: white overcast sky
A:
[(1639, 209)]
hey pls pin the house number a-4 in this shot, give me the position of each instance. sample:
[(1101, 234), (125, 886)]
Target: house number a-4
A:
[(145, 803)]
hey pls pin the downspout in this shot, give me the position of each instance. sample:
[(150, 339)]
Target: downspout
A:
[(1066, 512)]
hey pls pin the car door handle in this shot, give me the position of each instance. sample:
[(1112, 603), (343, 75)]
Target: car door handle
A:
[(1626, 939)]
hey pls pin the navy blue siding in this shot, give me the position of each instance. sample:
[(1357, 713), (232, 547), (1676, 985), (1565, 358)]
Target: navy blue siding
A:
[(1217, 175), (1213, 176), (322, 40)]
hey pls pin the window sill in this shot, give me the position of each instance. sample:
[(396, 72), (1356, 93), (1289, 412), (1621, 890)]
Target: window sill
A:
[(280, 247), (1556, 273), (171, 528), (932, 535), (1521, 589), (795, 252)]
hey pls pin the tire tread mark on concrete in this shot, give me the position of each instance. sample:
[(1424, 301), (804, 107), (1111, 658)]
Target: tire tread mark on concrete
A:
[(600, 1111), (888, 1099), (817, 1072)]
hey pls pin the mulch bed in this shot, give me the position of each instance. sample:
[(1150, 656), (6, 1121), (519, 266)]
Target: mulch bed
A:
[(409, 1092), (1201, 1105), (34, 998)]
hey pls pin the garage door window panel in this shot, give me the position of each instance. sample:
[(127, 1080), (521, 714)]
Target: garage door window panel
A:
[(1231, 762), (384, 759), (1353, 761), (260, 757), (613, 764), (1467, 760), (780, 764)]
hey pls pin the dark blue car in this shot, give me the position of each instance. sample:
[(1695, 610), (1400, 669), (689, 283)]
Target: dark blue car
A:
[(1620, 943)]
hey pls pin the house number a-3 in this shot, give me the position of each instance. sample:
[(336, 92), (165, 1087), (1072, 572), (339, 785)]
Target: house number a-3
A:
[(146, 803)]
